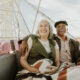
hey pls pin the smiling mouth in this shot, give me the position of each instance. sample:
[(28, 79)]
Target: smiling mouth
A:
[(61, 30), (43, 31)]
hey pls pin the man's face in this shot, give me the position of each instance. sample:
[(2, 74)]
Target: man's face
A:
[(61, 29)]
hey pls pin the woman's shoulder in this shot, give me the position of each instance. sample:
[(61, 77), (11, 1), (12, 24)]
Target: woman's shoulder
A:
[(33, 36)]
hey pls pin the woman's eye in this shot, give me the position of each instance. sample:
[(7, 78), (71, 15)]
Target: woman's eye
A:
[(41, 26)]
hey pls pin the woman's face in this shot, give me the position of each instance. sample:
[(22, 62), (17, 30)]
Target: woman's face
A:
[(44, 29)]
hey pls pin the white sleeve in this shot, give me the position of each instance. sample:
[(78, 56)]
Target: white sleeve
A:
[(30, 42)]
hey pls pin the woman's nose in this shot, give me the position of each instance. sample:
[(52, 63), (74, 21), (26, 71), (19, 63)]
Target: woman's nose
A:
[(43, 27)]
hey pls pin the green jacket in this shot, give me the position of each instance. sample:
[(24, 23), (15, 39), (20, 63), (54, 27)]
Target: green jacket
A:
[(74, 48), (38, 52)]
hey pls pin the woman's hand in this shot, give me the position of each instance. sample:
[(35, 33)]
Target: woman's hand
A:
[(25, 64), (33, 69), (52, 71)]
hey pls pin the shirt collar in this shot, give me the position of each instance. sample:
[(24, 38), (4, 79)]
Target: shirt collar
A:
[(61, 38)]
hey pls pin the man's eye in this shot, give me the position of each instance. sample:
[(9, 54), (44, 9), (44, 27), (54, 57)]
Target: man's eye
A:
[(58, 26)]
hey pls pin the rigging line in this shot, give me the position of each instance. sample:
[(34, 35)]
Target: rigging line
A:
[(41, 12), (10, 37), (36, 15), (8, 10), (8, 2), (4, 2), (18, 28), (71, 36), (17, 25), (22, 16), (14, 23)]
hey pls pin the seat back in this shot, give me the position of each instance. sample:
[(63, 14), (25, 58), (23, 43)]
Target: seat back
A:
[(8, 67)]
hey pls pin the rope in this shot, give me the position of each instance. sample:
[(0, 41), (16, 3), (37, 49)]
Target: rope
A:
[(22, 16), (39, 11), (43, 14), (18, 29), (8, 10), (36, 15)]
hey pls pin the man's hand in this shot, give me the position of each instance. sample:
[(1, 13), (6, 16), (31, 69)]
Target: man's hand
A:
[(53, 70)]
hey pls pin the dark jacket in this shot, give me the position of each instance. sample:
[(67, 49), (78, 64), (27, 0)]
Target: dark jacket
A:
[(74, 48)]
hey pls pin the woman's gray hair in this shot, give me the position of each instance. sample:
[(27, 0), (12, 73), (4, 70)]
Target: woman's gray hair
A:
[(50, 28)]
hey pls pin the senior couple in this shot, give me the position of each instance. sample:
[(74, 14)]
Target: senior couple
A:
[(59, 48)]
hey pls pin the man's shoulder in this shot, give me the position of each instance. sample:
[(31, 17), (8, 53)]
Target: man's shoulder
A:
[(74, 42), (55, 37)]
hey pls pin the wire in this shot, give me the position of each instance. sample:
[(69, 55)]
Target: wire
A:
[(39, 11), (36, 15), (43, 14), (22, 16), (8, 10)]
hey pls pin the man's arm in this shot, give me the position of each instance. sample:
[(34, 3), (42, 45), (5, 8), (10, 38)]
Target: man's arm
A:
[(77, 44)]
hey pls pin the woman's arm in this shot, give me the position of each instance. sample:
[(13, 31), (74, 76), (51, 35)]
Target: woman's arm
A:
[(54, 68), (24, 63), (22, 47), (23, 60)]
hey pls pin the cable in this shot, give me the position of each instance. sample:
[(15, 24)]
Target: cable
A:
[(43, 14), (36, 15), (22, 16)]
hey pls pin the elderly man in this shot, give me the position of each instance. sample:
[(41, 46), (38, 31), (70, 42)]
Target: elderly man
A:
[(69, 48)]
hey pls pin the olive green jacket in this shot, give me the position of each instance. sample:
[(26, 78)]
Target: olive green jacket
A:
[(74, 48), (38, 52)]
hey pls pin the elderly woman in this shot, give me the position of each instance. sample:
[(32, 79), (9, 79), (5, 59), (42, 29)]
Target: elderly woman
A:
[(39, 47)]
